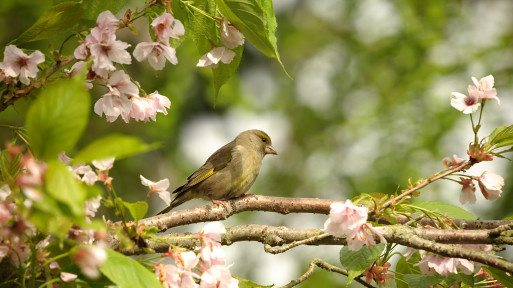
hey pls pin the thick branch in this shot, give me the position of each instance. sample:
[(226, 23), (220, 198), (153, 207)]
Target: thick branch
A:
[(425, 239), (280, 205)]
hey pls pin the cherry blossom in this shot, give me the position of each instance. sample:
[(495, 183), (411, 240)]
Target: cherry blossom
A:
[(156, 52), (491, 185), (107, 23), (160, 102), (159, 187), (218, 276), (230, 36), (89, 259), (166, 26), (453, 162), (104, 164), (112, 106), (218, 54), (465, 104), (468, 190), (483, 88), (350, 220), (18, 64), (119, 83)]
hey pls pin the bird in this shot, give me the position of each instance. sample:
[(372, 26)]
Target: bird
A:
[(229, 172)]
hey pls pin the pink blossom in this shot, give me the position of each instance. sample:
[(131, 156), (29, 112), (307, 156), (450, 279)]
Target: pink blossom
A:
[(344, 218), (491, 185), (350, 220), (453, 162), (143, 109), (483, 88), (166, 26), (104, 164), (89, 259), (119, 83), (218, 54), (213, 230), (86, 174), (17, 63), (465, 104), (468, 190), (230, 36), (181, 274), (92, 205), (160, 102), (68, 277), (159, 187), (107, 22), (379, 274), (112, 106), (156, 52), (105, 52), (218, 276)]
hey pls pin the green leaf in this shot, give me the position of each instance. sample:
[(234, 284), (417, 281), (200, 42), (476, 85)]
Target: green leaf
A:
[(420, 281), (402, 268), (57, 19), (501, 136), (114, 145), (357, 261), (223, 72), (245, 283), (444, 208), (126, 272), (255, 19), (58, 117), (62, 186), (137, 209), (500, 276), (94, 7)]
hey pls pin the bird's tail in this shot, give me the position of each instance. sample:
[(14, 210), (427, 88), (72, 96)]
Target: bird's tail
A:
[(181, 198)]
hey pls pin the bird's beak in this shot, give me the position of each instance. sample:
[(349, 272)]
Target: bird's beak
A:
[(270, 150)]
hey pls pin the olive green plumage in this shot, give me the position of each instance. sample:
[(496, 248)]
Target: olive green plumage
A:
[(229, 172)]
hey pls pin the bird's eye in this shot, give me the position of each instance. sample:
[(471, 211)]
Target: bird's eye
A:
[(264, 140)]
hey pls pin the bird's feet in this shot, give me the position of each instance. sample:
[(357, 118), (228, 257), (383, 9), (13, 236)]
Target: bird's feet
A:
[(219, 202)]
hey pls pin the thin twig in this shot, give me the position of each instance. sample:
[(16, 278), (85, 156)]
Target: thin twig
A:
[(323, 265), (276, 250)]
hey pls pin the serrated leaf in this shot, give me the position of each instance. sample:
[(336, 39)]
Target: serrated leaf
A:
[(114, 145), (58, 117), (500, 276), (501, 136), (446, 209), (420, 281), (357, 261), (137, 209), (94, 7), (126, 272), (57, 19)]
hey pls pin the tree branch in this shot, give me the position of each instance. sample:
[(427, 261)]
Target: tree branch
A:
[(326, 266), (284, 206)]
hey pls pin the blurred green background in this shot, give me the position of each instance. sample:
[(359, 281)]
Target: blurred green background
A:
[(369, 107)]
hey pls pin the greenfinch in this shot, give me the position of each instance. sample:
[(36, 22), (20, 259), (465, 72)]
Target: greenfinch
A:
[(229, 172)]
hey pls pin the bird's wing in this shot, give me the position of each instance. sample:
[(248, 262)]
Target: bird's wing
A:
[(217, 161)]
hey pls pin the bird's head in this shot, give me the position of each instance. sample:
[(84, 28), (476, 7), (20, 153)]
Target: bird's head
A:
[(258, 140)]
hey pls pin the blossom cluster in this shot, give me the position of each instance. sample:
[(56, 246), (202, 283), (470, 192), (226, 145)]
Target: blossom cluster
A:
[(206, 266), (482, 90), (17, 233), (489, 183), (431, 263), (230, 38), (351, 220)]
